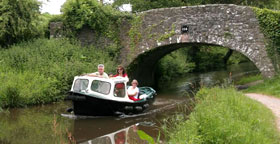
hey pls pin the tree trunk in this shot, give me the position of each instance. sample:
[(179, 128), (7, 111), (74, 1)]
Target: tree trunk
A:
[(227, 56)]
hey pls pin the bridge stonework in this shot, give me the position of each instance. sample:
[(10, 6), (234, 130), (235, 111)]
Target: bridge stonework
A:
[(158, 33)]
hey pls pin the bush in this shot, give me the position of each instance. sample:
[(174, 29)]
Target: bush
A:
[(26, 88), (42, 71), (79, 13)]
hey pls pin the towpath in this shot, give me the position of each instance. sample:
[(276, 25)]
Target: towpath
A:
[(272, 103)]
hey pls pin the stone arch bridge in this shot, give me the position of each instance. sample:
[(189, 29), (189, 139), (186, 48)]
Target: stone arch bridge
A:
[(155, 33)]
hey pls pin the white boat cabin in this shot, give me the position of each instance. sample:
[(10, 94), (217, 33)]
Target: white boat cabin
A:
[(111, 89)]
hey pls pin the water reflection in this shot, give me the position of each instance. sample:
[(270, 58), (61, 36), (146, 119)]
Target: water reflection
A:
[(126, 135), (94, 129), (191, 82)]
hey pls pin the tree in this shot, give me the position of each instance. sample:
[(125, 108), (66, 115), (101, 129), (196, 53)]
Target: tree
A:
[(142, 5), (19, 20), (78, 13)]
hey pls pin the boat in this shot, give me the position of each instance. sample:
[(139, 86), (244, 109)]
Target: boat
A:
[(97, 96)]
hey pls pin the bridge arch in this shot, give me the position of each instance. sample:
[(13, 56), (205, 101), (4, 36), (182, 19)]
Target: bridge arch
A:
[(159, 32)]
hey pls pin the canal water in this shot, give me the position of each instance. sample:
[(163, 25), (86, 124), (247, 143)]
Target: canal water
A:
[(52, 124)]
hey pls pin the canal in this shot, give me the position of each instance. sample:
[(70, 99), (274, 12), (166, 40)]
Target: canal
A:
[(52, 124)]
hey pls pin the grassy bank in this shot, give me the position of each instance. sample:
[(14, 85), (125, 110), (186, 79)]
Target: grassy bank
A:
[(248, 79), (225, 116), (41, 71), (268, 87)]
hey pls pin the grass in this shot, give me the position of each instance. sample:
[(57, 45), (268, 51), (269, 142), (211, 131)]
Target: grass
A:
[(268, 87), (248, 79), (224, 116), (41, 71)]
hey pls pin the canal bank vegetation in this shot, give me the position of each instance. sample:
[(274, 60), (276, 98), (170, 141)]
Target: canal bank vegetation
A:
[(223, 115), (248, 79), (269, 87), (41, 71)]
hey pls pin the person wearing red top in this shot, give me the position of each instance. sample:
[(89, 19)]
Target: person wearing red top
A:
[(121, 72), (119, 89)]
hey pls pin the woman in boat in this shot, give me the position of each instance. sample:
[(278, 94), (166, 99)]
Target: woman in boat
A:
[(119, 89), (121, 73), (133, 91)]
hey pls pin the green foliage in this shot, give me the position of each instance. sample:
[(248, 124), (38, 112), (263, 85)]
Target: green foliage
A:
[(256, 3), (194, 58), (145, 136), (237, 58), (19, 21), (26, 88), (168, 34), (270, 25), (104, 20), (173, 65), (225, 116), (41, 71), (55, 18), (79, 13), (134, 32), (249, 79), (269, 87), (143, 5), (208, 57)]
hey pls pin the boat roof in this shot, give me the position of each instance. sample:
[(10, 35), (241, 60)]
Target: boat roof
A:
[(111, 80)]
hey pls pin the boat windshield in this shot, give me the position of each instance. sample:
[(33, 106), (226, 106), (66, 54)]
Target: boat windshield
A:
[(101, 87), (80, 85), (119, 90)]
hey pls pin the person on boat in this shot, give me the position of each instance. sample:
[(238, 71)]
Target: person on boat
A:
[(100, 73), (121, 73), (119, 88), (133, 91)]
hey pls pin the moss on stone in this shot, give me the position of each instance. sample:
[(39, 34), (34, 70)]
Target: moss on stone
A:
[(167, 34), (269, 21)]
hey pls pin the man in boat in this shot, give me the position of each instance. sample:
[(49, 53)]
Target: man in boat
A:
[(100, 73)]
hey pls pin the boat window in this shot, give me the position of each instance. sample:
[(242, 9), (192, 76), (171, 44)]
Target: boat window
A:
[(119, 90), (101, 87), (80, 84)]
